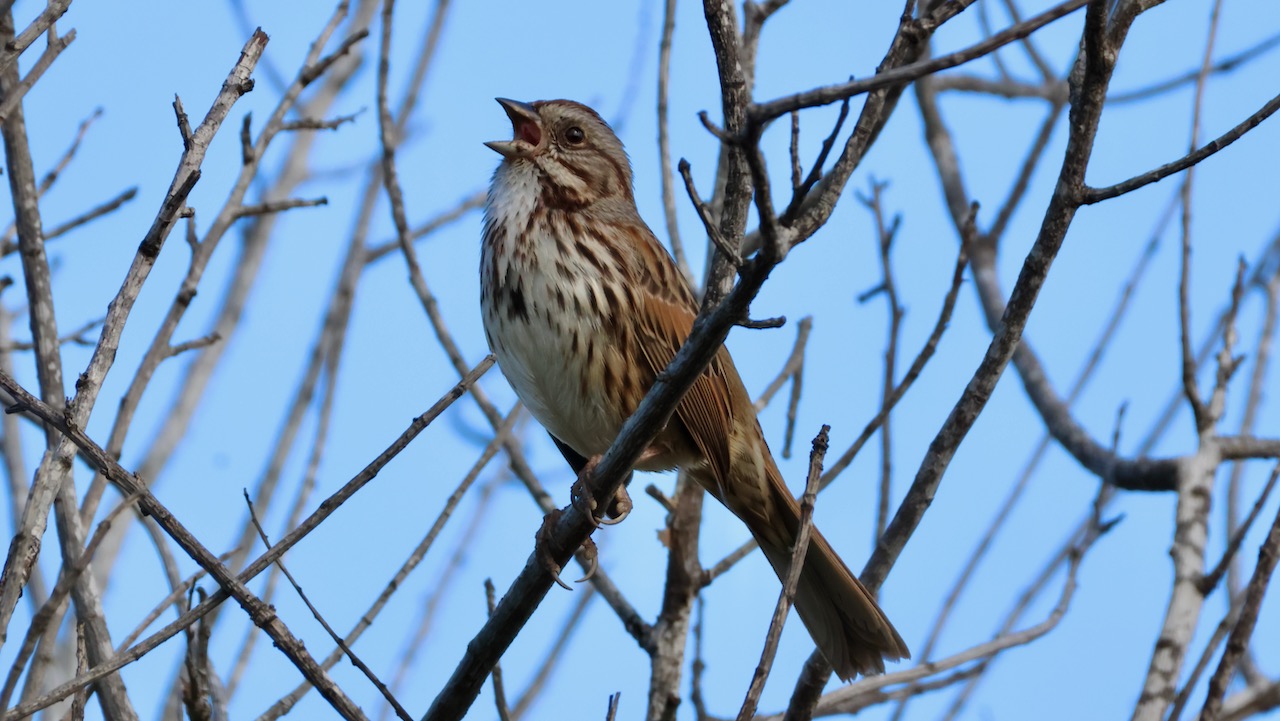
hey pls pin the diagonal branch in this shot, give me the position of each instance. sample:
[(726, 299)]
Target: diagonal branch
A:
[(263, 615), (326, 509)]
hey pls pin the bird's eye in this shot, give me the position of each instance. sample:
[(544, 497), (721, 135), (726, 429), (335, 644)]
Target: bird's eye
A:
[(574, 135)]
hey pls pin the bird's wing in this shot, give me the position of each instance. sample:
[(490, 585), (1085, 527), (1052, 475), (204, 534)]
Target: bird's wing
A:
[(665, 314)]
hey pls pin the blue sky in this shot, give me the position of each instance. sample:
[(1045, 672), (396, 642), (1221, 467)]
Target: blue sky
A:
[(130, 60)]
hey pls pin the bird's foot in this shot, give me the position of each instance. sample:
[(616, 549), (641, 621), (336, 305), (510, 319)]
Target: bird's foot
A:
[(592, 556), (584, 500), (542, 549), (619, 507)]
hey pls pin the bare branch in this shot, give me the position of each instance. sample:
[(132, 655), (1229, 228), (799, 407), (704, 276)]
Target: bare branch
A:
[(89, 215), (277, 206), (317, 124), (315, 613), (764, 112), (1008, 89), (852, 697), (846, 458), (792, 580), (460, 210), (15, 94), (501, 436), (1223, 66), (1238, 641), (664, 142), (263, 615), (15, 47), (499, 693), (1097, 195), (57, 598), (184, 124), (554, 655), (201, 342), (196, 694), (77, 336), (290, 539), (1095, 73), (704, 214)]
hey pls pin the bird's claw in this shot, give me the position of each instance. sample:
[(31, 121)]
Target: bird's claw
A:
[(584, 500), (619, 509), (542, 548), (591, 555)]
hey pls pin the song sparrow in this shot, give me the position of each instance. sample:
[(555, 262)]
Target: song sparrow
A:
[(583, 307)]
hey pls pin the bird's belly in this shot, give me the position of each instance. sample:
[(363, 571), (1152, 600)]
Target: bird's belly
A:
[(554, 380)]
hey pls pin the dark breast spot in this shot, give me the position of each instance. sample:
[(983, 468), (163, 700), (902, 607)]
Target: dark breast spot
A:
[(612, 309), (589, 254), (516, 307)]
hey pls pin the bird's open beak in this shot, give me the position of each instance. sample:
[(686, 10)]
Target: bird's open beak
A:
[(526, 125)]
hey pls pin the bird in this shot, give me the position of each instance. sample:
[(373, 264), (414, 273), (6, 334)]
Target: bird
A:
[(583, 307)]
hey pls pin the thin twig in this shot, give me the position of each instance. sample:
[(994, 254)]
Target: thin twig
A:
[(1223, 66), (793, 370), (853, 696), (1001, 517), (178, 416), (195, 343), (885, 234), (555, 654), (792, 581), (763, 112), (77, 336), (499, 693), (54, 174), (317, 124), (1248, 420), (1238, 641), (262, 615), (664, 142), (315, 613), (10, 50), (1097, 195), (54, 48), (196, 696), (501, 435), (89, 215), (57, 597), (278, 206), (704, 214), (175, 596), (460, 210)]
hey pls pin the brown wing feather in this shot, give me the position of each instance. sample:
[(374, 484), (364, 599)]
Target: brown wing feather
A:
[(665, 313)]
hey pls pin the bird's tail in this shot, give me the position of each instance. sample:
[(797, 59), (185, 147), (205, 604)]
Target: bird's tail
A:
[(842, 616)]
